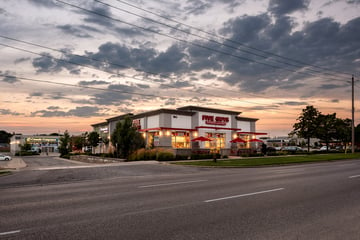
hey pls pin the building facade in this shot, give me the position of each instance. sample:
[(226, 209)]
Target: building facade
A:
[(39, 143), (179, 129)]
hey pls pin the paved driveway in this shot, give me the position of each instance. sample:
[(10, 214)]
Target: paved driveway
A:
[(51, 161)]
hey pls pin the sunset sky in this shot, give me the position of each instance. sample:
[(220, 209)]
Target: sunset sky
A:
[(68, 64)]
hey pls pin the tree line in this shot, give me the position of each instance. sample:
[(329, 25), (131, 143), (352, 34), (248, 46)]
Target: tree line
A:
[(327, 127)]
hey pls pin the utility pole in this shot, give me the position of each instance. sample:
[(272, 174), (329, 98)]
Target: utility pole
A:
[(352, 117)]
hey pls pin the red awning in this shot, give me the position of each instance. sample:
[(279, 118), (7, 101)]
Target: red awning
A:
[(238, 140), (201, 139)]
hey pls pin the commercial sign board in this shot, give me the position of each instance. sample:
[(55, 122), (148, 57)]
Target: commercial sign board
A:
[(215, 120)]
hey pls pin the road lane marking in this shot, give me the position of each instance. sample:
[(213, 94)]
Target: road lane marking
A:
[(173, 183), (355, 176), (244, 195), (8, 233)]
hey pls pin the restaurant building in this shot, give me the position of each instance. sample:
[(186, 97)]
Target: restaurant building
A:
[(190, 129)]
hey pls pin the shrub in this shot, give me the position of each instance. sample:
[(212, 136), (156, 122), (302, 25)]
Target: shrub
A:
[(151, 154), (165, 156), (26, 153), (204, 156)]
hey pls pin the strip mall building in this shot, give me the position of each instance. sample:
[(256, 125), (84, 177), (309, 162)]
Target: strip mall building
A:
[(177, 128)]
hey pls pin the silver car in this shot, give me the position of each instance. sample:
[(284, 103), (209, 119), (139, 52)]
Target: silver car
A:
[(4, 158)]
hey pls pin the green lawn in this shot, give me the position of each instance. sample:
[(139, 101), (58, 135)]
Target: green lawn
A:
[(4, 172), (280, 160)]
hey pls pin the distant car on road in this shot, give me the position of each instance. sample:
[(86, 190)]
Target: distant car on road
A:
[(4, 158)]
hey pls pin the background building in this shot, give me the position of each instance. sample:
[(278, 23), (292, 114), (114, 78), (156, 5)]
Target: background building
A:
[(38, 143)]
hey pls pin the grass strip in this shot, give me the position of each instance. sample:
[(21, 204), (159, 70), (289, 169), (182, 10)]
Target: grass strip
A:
[(4, 172), (279, 160)]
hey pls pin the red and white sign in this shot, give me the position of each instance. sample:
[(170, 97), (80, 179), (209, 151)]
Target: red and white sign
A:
[(212, 120)]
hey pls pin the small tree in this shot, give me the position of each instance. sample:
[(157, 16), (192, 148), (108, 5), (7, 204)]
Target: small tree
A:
[(77, 142), (307, 124), (326, 130), (65, 148), (93, 139), (25, 147), (343, 131), (5, 136), (126, 138)]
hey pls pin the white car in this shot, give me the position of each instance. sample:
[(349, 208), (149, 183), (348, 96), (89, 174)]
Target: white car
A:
[(324, 148), (4, 158)]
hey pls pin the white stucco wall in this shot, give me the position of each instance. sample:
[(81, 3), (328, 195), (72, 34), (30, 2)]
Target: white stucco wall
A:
[(244, 126), (153, 121), (179, 121)]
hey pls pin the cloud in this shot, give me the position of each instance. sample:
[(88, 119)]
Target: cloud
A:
[(56, 96), (36, 94), (324, 40), (176, 84), (115, 95), (53, 108), (144, 86), (10, 79), (8, 112), (293, 103), (93, 82), (97, 16), (170, 101), (208, 75), (47, 63), (21, 60), (74, 31), (198, 7), (85, 111), (44, 3), (331, 86), (353, 1), (281, 7)]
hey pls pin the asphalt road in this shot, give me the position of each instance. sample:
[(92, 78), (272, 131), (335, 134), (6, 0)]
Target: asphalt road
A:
[(156, 201)]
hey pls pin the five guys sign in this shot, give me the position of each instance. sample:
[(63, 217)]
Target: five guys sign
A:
[(212, 120)]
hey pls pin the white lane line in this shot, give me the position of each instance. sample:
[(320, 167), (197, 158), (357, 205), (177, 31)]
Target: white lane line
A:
[(355, 176), (169, 184), (244, 195), (8, 233)]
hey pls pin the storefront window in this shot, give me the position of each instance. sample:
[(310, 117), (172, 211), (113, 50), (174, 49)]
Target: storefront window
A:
[(180, 139), (218, 140)]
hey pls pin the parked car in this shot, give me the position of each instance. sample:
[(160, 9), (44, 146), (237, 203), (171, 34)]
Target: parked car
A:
[(4, 158), (324, 148), (270, 149), (293, 149)]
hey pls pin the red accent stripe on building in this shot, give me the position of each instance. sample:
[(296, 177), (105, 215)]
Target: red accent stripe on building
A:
[(220, 128), (165, 128), (253, 133)]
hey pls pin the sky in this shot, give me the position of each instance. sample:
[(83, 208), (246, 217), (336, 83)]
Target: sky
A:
[(67, 64)]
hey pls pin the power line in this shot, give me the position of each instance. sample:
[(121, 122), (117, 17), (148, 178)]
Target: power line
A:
[(111, 63), (95, 88), (221, 37), (78, 86), (83, 65), (185, 41), (81, 86)]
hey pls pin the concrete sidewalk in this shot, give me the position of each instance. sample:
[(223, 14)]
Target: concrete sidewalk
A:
[(15, 164)]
